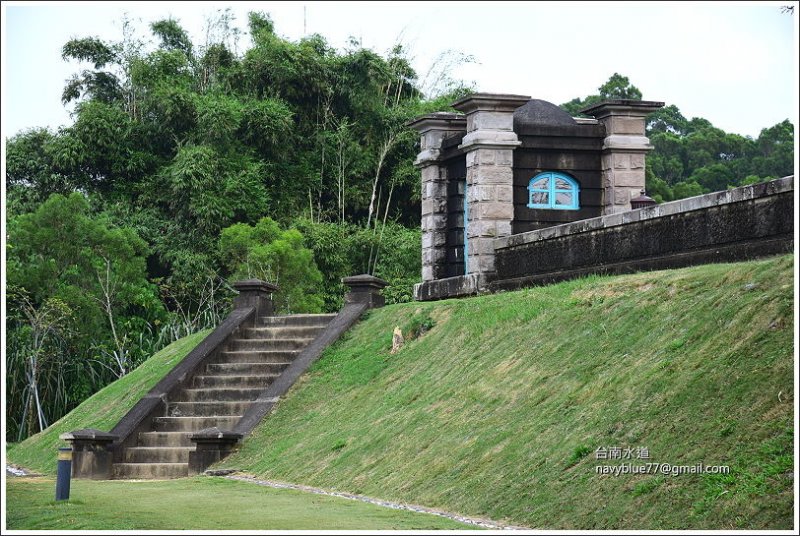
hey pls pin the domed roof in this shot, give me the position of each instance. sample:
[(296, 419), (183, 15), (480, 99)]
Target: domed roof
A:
[(541, 112)]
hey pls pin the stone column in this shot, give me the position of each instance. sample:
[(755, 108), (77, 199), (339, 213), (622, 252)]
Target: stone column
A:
[(365, 288), (92, 457), (489, 145), (434, 129), (624, 150), (255, 293), (211, 445)]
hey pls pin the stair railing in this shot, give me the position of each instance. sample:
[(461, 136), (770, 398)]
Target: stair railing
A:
[(94, 451)]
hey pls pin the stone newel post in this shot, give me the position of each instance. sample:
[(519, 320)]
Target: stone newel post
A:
[(365, 288), (434, 129), (255, 293), (211, 445), (624, 149), (92, 456)]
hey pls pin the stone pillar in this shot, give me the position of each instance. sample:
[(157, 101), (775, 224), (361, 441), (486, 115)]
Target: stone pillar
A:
[(92, 457), (211, 445), (365, 289), (489, 145), (255, 293), (624, 150), (434, 129)]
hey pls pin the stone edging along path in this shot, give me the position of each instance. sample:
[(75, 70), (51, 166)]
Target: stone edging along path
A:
[(483, 523)]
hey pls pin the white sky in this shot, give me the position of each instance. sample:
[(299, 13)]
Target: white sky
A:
[(734, 64)]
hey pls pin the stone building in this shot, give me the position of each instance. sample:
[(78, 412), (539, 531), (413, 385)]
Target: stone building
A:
[(510, 164)]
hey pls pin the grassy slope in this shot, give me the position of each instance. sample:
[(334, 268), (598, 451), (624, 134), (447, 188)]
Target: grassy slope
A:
[(103, 410), (198, 503), (497, 410)]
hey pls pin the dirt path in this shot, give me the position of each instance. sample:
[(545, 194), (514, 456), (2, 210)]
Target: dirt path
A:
[(479, 522)]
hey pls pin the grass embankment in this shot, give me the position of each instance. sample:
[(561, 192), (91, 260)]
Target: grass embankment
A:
[(196, 503), (103, 409), (497, 411)]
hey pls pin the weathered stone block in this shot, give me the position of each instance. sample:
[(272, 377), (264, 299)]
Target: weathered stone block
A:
[(486, 264), (504, 193), (434, 190), (629, 179), (484, 156), (484, 120), (477, 228), (622, 196), (490, 175), (480, 246), (482, 192), (431, 174), (495, 211), (621, 161), (626, 125), (504, 157), (434, 239), (502, 228)]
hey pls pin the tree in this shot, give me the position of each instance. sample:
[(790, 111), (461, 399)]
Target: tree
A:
[(616, 87), (62, 252), (619, 87), (668, 119), (41, 323), (691, 155), (266, 252)]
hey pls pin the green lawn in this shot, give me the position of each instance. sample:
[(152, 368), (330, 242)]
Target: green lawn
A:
[(196, 503), (103, 410), (497, 411)]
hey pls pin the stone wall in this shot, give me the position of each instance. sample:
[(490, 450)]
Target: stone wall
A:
[(738, 224)]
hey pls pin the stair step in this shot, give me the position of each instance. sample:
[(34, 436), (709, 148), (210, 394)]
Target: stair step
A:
[(283, 332), (222, 394), (269, 344), (157, 454), (234, 381), (165, 439), (193, 424), (297, 320), (201, 409), (238, 369), (150, 470), (251, 356)]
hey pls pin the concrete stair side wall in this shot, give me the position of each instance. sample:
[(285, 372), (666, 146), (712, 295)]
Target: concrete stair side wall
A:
[(220, 391)]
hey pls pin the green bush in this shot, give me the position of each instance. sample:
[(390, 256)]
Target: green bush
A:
[(266, 252), (344, 249)]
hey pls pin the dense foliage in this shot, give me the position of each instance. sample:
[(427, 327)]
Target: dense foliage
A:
[(190, 165), (691, 156)]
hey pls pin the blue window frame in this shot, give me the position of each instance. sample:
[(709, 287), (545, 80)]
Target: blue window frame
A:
[(553, 191)]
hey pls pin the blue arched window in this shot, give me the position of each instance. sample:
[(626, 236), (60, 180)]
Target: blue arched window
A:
[(554, 191)]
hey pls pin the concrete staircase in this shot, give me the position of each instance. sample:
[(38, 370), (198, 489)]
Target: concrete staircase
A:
[(219, 394)]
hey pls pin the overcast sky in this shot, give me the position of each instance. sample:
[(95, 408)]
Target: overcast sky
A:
[(733, 63)]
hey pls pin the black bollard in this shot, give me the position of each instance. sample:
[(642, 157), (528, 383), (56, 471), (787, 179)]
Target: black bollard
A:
[(63, 473)]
